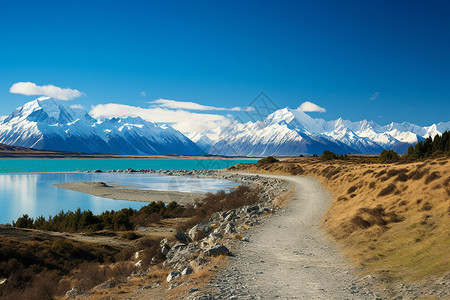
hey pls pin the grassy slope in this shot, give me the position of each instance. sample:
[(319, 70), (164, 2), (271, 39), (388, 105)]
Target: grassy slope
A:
[(391, 219)]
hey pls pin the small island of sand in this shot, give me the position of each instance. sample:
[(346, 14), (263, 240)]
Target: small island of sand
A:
[(118, 192)]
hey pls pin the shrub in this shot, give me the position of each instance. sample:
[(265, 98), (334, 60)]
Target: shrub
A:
[(432, 176), (388, 156), (367, 217), (24, 222), (62, 246), (352, 189), (387, 190), (130, 235), (328, 155), (124, 219), (34, 269), (268, 160)]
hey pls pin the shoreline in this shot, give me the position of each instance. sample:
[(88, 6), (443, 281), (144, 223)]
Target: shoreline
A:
[(118, 192)]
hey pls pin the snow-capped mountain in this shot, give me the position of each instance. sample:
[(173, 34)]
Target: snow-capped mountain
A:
[(49, 124), (293, 132), (46, 123)]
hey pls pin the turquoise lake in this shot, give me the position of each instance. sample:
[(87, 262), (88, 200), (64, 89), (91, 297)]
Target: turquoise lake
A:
[(26, 187), (19, 165)]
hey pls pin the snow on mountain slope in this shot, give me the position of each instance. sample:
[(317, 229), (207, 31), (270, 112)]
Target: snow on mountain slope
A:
[(46, 123), (293, 132)]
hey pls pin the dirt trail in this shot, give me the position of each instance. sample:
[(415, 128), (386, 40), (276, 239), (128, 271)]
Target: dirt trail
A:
[(288, 257)]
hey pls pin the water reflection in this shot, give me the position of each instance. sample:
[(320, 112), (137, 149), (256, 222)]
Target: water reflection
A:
[(19, 191), (35, 195)]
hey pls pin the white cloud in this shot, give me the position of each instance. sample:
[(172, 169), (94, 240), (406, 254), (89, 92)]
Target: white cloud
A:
[(143, 94), (30, 88), (173, 104), (375, 96), (311, 107), (181, 120)]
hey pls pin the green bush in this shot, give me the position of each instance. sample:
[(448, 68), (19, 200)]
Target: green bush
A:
[(62, 246), (24, 222), (328, 155), (388, 156), (125, 219), (268, 160)]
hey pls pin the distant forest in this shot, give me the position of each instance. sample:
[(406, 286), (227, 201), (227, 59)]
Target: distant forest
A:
[(440, 144)]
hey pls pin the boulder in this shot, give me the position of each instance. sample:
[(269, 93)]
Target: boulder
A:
[(165, 249), (175, 248), (186, 271), (230, 228), (178, 256), (213, 237), (253, 208), (72, 292), (199, 231), (230, 216), (163, 241), (107, 285), (217, 250), (183, 237), (173, 275)]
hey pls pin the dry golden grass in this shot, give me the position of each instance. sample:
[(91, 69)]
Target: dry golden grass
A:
[(199, 278), (238, 237), (156, 278), (391, 219)]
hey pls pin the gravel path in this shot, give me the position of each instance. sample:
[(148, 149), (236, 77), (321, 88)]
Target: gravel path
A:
[(288, 257)]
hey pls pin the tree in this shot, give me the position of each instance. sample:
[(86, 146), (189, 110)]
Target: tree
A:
[(24, 222), (388, 156)]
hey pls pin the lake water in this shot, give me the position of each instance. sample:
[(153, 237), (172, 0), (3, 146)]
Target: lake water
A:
[(19, 165), (35, 195)]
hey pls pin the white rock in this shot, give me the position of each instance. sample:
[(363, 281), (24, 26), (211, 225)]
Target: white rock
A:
[(173, 275)]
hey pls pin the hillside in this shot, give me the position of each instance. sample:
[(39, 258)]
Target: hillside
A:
[(392, 220)]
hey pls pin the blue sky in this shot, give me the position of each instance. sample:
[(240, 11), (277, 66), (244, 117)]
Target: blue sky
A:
[(378, 60)]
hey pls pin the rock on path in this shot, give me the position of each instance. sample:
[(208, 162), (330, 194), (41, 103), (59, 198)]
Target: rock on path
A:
[(289, 257)]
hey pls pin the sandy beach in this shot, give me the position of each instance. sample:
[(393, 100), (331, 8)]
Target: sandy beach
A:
[(118, 192)]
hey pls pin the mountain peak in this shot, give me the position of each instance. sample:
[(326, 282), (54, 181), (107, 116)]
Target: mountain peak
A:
[(47, 123), (294, 117), (44, 110)]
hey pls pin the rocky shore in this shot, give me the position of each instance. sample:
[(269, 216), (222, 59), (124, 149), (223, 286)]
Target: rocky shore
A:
[(221, 234), (235, 232)]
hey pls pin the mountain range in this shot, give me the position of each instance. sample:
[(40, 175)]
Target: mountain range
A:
[(49, 124), (293, 132)]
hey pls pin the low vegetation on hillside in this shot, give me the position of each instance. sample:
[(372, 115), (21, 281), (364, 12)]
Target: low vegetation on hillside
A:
[(328, 155), (34, 266), (392, 219), (127, 219), (388, 156), (37, 267), (122, 220), (268, 160)]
